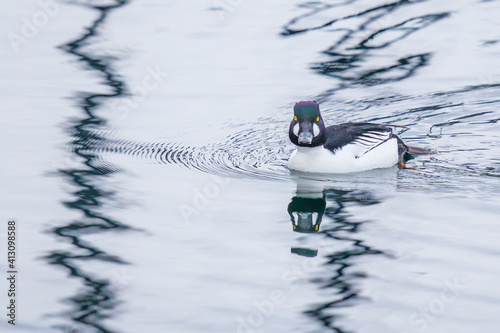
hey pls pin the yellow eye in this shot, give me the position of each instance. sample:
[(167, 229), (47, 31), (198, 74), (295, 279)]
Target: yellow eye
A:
[(295, 118), (317, 119)]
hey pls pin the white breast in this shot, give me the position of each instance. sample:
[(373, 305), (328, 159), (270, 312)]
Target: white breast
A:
[(344, 160)]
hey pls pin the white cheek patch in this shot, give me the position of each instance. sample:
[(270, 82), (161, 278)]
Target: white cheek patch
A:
[(296, 129), (316, 129)]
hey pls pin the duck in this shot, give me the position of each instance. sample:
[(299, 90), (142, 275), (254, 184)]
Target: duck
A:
[(344, 148)]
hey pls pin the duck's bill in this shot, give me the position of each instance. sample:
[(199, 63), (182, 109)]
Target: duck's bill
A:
[(306, 138)]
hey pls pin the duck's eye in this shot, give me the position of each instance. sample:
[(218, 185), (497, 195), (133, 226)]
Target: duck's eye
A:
[(295, 118), (317, 119)]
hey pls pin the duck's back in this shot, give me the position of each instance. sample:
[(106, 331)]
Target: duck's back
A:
[(340, 135)]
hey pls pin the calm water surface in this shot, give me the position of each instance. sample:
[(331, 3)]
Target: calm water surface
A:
[(144, 153)]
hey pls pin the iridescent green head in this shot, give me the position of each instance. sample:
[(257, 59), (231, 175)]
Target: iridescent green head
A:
[(306, 110), (307, 128)]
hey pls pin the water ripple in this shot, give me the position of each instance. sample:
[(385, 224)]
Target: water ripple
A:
[(255, 153)]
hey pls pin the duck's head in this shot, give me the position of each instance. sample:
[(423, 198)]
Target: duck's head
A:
[(307, 128), (306, 213)]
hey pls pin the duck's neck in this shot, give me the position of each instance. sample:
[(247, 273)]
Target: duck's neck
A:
[(308, 149)]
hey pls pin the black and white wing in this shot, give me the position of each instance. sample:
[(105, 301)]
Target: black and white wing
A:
[(359, 138), (368, 141)]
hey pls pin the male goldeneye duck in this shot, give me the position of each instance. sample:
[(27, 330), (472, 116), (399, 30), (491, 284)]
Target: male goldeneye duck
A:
[(349, 147)]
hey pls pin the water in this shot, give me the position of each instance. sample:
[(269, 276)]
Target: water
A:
[(144, 148)]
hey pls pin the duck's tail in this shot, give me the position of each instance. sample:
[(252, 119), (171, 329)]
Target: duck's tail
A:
[(410, 153), (418, 151)]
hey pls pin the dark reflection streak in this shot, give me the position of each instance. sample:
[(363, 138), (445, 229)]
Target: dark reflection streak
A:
[(350, 52), (342, 281), (425, 21), (387, 7), (350, 32), (315, 11), (96, 300)]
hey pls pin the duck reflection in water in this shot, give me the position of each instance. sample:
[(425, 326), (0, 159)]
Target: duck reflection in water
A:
[(306, 214), (320, 212), (309, 205)]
